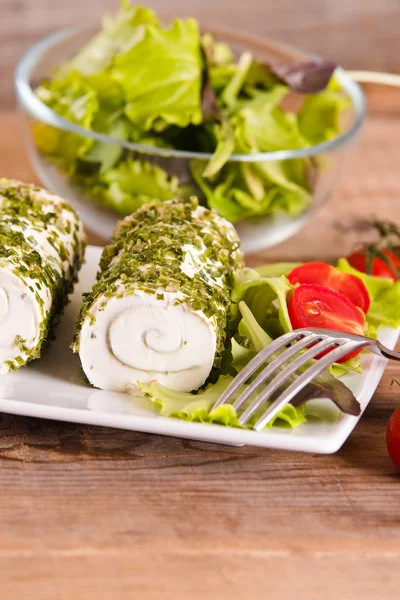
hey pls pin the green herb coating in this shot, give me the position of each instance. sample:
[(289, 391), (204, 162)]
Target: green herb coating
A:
[(151, 248), (34, 225)]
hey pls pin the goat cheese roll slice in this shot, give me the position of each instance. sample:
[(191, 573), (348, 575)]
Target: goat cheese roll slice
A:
[(160, 306), (41, 249)]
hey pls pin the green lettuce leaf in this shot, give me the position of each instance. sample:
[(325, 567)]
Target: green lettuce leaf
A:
[(319, 117), (232, 90), (197, 407), (119, 33), (133, 183), (251, 339), (276, 269), (384, 294), (161, 75), (265, 127), (253, 189), (240, 190), (218, 53), (225, 136), (350, 365), (288, 180), (258, 125), (102, 156), (74, 99), (222, 196), (266, 299)]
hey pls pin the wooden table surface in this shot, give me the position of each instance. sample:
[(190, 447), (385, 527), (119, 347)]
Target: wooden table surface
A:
[(95, 513)]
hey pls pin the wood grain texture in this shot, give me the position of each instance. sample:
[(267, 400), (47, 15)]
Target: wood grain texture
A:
[(356, 34), (101, 514)]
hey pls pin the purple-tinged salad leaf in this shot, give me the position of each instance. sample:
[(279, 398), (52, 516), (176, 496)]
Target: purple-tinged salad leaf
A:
[(209, 104), (308, 77), (325, 385)]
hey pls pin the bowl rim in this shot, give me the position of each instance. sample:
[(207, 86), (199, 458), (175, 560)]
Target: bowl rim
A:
[(28, 101)]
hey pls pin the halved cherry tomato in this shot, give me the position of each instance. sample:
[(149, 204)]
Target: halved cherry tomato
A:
[(323, 274), (317, 306), (379, 268), (393, 437)]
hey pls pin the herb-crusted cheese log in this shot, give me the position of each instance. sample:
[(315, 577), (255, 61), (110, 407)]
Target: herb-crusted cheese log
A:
[(41, 249), (159, 308)]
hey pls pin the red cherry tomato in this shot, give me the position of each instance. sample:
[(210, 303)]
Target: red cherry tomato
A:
[(322, 274), (317, 306), (379, 268), (393, 437)]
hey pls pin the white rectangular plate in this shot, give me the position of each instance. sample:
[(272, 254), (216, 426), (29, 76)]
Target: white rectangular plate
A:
[(54, 388)]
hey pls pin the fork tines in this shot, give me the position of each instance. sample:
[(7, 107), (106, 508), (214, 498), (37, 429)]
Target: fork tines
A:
[(303, 343)]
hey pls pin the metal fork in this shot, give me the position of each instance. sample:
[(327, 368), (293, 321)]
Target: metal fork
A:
[(285, 348)]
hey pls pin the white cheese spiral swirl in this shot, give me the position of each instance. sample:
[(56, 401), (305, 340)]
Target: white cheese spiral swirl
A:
[(140, 338)]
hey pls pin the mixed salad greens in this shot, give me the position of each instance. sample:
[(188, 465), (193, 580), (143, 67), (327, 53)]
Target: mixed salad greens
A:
[(267, 302), (175, 87)]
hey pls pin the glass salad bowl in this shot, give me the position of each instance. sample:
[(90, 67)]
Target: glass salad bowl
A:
[(321, 165)]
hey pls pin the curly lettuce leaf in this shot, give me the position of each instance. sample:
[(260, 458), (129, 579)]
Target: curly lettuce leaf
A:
[(350, 365), (93, 103), (76, 100), (133, 183), (102, 156), (384, 294), (258, 125), (118, 34), (242, 190), (292, 194), (198, 407), (223, 196), (161, 76)]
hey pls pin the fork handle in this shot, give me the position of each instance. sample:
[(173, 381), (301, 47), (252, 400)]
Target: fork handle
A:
[(385, 352)]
